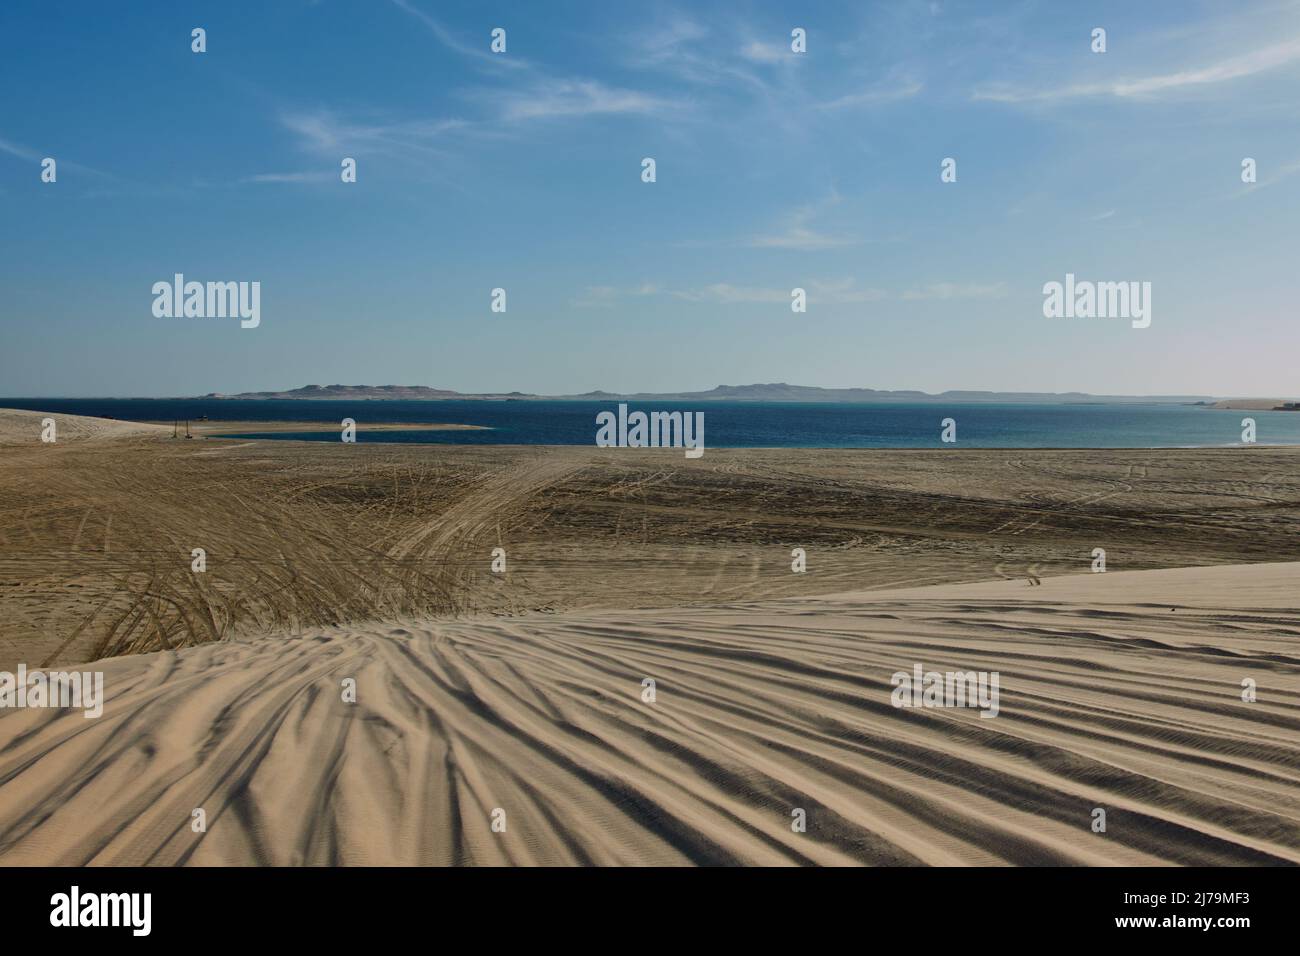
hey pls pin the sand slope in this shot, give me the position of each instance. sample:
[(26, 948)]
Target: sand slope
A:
[(22, 427), (1109, 699)]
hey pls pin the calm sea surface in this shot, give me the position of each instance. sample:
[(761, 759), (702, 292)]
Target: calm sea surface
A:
[(731, 424)]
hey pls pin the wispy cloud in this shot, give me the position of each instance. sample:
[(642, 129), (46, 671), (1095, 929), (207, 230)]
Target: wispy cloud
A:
[(842, 291), (1232, 68), (798, 237), (669, 40), (549, 99), (890, 91), (607, 296), (325, 133), (531, 94), (796, 230), (671, 49), (444, 36), (13, 149), (798, 233), (34, 156), (758, 51), (305, 176), (724, 293)]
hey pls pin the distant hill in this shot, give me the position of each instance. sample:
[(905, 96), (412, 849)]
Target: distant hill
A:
[(782, 392), (774, 392), (369, 392)]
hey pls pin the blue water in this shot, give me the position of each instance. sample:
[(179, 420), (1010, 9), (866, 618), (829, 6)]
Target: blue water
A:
[(732, 424)]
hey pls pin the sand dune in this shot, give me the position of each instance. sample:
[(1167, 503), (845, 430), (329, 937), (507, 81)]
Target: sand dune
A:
[(22, 427), (1119, 691)]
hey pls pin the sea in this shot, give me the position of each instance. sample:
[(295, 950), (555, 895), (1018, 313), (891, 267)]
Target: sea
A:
[(727, 424)]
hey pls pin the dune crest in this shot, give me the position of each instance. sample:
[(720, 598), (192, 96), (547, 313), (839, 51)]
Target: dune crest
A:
[(21, 427)]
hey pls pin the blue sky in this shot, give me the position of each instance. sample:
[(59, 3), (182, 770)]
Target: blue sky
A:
[(774, 170)]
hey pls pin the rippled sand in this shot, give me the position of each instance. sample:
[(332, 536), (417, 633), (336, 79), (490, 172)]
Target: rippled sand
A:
[(1119, 691)]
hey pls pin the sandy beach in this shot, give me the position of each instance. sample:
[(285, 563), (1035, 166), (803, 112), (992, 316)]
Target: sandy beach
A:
[(521, 691)]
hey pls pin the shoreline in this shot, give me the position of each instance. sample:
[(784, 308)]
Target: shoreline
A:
[(733, 426), (246, 430)]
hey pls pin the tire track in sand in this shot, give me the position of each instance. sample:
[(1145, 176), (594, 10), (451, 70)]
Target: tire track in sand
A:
[(432, 548)]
